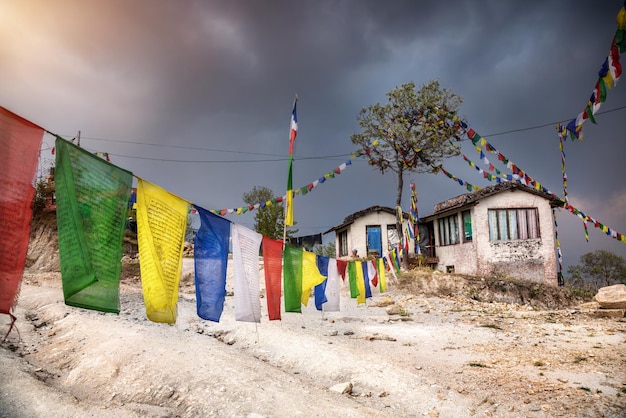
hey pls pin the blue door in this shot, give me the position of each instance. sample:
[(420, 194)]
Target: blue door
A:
[(374, 240)]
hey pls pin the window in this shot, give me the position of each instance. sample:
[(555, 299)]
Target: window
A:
[(343, 243), (448, 230), (467, 225), (513, 224)]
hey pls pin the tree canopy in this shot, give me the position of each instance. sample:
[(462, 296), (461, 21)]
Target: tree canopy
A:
[(269, 221), (413, 132), (600, 268)]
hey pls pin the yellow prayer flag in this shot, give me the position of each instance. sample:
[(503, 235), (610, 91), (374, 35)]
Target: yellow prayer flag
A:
[(360, 283), (381, 274), (311, 275), (161, 225)]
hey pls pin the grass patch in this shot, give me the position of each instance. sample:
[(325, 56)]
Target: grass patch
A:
[(585, 388), (539, 363), (579, 359)]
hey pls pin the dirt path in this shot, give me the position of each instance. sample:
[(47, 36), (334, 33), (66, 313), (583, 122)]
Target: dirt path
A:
[(441, 358)]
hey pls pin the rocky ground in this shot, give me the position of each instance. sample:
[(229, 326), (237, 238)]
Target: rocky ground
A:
[(404, 354), (433, 345)]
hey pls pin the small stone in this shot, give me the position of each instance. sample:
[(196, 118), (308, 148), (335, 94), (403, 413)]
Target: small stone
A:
[(342, 388), (394, 310)]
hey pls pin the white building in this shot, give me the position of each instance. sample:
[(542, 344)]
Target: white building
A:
[(503, 229), (371, 231)]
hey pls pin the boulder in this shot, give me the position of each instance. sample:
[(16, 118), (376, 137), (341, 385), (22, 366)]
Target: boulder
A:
[(612, 297)]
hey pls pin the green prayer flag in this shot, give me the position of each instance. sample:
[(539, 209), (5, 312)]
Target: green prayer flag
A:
[(602, 84), (92, 202), (354, 290), (292, 273), (590, 114)]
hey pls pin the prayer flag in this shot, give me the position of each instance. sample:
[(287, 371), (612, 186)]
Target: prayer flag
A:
[(293, 131), (292, 272), (246, 245), (366, 279), (211, 262), (342, 265), (354, 290), (372, 273), (161, 225), (273, 266), (360, 283), (92, 202), (311, 276), (320, 289), (20, 141), (333, 286), (382, 279)]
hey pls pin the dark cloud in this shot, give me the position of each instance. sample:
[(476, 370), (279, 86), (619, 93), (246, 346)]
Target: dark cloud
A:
[(215, 81)]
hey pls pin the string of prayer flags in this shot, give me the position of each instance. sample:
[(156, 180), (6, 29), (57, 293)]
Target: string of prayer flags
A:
[(210, 264), (608, 75), (299, 191), (161, 225), (246, 245), (273, 266), (92, 202), (21, 141), (414, 219), (522, 176), (562, 132), (518, 174), (560, 280), (470, 187)]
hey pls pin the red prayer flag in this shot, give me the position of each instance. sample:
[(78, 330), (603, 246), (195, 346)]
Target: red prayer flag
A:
[(272, 263), (20, 141)]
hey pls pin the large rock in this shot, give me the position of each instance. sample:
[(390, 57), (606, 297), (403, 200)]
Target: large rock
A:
[(612, 297)]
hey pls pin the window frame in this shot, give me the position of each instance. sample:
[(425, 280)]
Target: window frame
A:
[(513, 224), (448, 230), (467, 237), (342, 237)]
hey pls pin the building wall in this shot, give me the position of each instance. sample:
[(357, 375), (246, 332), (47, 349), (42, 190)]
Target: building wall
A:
[(357, 236), (457, 258), (533, 259)]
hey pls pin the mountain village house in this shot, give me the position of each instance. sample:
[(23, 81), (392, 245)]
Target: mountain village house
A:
[(504, 229), (371, 231)]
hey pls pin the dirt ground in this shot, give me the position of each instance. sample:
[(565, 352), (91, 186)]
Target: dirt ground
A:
[(474, 350), (438, 357)]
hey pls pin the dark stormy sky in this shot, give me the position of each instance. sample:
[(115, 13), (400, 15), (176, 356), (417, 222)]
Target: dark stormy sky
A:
[(196, 96)]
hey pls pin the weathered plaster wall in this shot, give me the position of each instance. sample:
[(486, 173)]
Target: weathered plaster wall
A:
[(527, 259)]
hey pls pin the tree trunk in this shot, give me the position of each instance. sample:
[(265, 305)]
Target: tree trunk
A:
[(405, 260)]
